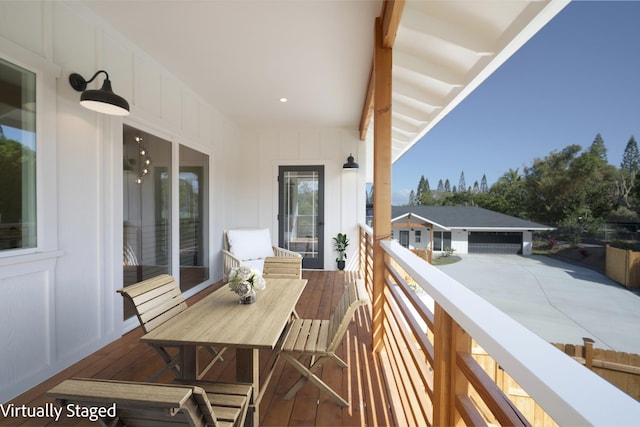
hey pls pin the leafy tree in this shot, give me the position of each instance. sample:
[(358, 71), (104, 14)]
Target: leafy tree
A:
[(569, 184), (511, 176), (507, 195)]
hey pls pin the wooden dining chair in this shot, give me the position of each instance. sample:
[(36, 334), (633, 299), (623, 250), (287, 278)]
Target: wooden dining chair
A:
[(320, 340), (135, 404), (157, 300)]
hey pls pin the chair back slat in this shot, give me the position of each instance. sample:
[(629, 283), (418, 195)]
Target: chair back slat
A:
[(282, 267), (139, 404), (200, 397), (155, 300), (145, 286), (343, 314)]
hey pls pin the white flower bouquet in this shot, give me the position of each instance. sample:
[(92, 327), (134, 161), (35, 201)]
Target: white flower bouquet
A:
[(244, 281)]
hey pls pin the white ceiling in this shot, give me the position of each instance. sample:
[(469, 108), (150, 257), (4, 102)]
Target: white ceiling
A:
[(243, 56)]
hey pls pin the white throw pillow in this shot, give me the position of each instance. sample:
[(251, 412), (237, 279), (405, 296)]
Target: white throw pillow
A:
[(258, 264), (250, 244)]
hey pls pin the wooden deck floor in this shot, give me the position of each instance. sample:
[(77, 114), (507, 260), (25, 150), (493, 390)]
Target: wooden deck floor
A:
[(362, 383)]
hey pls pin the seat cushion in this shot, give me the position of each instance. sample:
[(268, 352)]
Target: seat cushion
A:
[(248, 244)]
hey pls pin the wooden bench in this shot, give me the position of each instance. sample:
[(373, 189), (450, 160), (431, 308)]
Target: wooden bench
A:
[(236, 251), (147, 404), (320, 339), (157, 300)]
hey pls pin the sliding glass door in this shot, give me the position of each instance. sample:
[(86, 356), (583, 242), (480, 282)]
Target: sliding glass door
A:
[(150, 207)]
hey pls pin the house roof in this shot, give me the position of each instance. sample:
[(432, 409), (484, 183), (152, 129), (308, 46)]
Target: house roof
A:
[(467, 217), (243, 56)]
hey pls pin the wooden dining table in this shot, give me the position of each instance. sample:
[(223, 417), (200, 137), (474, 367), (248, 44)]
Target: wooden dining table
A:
[(219, 320)]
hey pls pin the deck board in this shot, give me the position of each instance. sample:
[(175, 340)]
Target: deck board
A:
[(361, 383)]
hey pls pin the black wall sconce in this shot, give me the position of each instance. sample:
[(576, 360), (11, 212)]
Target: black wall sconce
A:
[(102, 100), (351, 164)]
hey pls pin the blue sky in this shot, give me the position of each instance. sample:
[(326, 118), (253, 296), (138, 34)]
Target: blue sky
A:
[(579, 76)]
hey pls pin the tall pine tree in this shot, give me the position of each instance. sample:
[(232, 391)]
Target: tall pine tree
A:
[(626, 182), (598, 148), (484, 188), (631, 156), (462, 183)]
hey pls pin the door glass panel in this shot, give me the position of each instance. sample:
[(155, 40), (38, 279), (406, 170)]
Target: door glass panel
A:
[(193, 185), (146, 207), (301, 212)]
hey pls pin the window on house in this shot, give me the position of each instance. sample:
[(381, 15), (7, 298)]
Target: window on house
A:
[(418, 236), (441, 240), (193, 187), (17, 157)]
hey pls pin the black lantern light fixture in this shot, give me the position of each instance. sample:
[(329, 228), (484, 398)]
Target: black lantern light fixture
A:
[(351, 164), (102, 100)]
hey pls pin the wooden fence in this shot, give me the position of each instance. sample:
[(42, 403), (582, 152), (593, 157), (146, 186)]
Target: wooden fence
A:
[(516, 394), (620, 369), (623, 266)]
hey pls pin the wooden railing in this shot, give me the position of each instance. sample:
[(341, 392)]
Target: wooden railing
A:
[(428, 361)]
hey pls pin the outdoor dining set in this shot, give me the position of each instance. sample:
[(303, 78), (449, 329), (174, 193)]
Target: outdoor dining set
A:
[(213, 327)]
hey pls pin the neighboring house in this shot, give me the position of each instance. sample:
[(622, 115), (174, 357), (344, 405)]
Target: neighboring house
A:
[(465, 229)]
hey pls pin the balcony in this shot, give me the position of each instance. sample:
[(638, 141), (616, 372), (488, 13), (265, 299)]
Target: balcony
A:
[(436, 365)]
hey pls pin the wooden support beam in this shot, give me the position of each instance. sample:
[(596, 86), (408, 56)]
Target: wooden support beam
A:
[(381, 178), (367, 109), (408, 225), (390, 15)]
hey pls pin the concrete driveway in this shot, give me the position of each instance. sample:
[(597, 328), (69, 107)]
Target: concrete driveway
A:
[(560, 302)]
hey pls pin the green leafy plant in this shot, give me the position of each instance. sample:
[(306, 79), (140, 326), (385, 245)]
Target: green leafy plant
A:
[(340, 243)]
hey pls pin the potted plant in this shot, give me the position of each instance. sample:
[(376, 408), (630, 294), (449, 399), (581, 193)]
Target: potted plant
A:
[(340, 243)]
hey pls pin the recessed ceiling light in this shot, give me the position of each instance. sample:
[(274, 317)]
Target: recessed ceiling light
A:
[(283, 99)]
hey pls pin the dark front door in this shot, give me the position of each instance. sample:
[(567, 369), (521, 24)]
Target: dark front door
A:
[(301, 212), (404, 238)]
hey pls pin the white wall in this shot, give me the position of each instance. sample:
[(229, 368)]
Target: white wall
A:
[(60, 300), (527, 243), (256, 202), (460, 241)]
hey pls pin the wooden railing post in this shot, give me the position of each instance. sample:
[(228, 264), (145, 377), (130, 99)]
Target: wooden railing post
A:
[(381, 176), (588, 352), (448, 381)]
